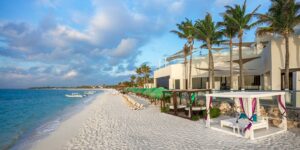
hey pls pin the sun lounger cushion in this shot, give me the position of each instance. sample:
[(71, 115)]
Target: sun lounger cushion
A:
[(243, 116), (242, 123), (195, 108), (178, 107)]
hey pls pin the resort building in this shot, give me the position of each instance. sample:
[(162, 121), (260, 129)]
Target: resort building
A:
[(264, 63)]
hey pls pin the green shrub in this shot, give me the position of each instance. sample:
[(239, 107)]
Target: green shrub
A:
[(165, 109), (195, 117), (166, 99), (214, 112)]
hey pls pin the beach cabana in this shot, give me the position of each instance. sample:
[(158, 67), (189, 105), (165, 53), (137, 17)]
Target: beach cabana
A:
[(249, 103)]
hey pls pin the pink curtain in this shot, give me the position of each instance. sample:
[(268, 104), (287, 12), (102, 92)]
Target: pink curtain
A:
[(282, 107)]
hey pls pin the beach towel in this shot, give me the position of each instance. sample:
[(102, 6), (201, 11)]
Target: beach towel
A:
[(193, 97)]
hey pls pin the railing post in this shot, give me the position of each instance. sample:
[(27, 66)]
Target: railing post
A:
[(175, 102), (191, 105), (161, 101)]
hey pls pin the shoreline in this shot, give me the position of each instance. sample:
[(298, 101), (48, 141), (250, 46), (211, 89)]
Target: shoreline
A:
[(51, 124), (75, 89), (75, 116), (34, 114)]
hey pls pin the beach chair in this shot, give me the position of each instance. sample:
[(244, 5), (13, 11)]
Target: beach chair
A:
[(240, 124)]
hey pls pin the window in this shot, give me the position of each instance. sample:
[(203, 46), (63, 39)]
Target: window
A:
[(196, 83), (163, 82), (290, 81), (256, 80), (177, 84), (199, 82)]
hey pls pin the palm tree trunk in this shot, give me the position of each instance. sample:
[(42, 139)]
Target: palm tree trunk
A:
[(190, 71), (144, 80), (209, 70), (231, 71), (211, 65), (241, 82), (184, 82), (212, 71), (287, 62)]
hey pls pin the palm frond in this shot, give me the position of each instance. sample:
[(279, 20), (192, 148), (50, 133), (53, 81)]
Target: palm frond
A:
[(208, 31), (282, 16), (254, 24), (264, 30), (254, 11), (232, 19), (179, 34)]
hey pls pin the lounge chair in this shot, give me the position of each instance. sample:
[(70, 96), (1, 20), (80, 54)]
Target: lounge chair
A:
[(178, 107), (242, 123), (195, 108)]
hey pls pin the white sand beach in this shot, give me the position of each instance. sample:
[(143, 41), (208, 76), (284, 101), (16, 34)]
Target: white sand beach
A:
[(108, 123)]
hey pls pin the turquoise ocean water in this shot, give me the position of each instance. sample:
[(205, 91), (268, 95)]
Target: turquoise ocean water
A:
[(28, 115)]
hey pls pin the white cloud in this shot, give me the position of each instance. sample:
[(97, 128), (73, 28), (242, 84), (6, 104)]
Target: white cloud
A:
[(71, 74), (113, 22), (125, 48), (62, 36), (177, 6), (115, 72), (221, 3), (69, 33)]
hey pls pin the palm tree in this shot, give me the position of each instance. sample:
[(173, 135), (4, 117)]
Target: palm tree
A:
[(138, 71), (139, 81), (186, 31), (132, 79), (146, 72), (209, 32), (230, 31), (283, 16), (242, 20)]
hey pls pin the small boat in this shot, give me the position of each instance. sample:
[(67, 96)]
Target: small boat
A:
[(90, 92), (74, 95)]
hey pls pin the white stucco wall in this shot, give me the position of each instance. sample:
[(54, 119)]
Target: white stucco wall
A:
[(175, 71), (278, 58), (162, 72)]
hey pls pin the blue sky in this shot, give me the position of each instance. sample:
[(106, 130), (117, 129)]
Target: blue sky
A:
[(78, 42)]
